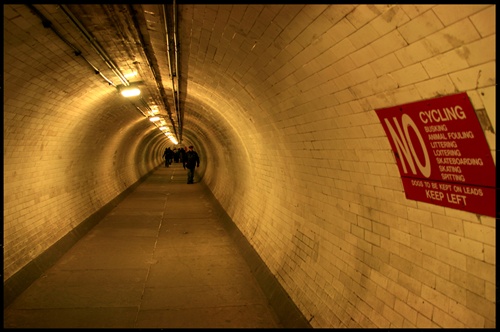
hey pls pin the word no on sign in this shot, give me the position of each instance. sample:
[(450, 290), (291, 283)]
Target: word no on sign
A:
[(442, 154)]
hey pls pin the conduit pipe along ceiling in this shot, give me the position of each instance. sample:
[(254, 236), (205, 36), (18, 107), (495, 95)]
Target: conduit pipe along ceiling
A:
[(128, 89), (171, 34), (155, 9)]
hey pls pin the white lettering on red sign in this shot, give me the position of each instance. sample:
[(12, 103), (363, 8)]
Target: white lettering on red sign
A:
[(442, 153), (405, 148), (444, 114)]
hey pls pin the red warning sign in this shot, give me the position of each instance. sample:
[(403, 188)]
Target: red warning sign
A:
[(442, 154)]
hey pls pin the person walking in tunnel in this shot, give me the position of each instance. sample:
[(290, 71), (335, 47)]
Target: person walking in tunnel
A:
[(191, 161), (168, 155), (176, 155), (182, 155)]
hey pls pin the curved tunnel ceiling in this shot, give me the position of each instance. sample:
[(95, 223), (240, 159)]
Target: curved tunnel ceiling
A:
[(132, 38), (279, 100)]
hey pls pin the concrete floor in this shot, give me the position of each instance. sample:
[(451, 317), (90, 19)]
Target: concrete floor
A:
[(159, 259)]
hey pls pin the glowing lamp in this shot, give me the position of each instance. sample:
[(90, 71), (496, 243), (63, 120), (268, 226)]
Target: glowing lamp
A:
[(130, 92)]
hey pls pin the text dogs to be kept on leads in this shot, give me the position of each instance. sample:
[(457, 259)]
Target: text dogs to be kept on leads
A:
[(442, 153)]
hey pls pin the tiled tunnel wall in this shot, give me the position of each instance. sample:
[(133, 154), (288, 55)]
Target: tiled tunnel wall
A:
[(282, 112)]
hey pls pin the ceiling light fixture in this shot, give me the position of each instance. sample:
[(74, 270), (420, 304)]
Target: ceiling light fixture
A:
[(154, 109), (172, 138), (130, 92)]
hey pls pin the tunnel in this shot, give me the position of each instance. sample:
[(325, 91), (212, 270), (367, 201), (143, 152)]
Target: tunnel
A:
[(351, 145)]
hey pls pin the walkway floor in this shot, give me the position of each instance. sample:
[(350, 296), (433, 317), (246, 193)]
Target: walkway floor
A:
[(159, 259)]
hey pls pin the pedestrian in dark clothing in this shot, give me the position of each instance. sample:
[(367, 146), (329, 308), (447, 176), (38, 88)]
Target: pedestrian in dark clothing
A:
[(164, 156), (176, 155), (191, 161), (182, 155), (168, 155)]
